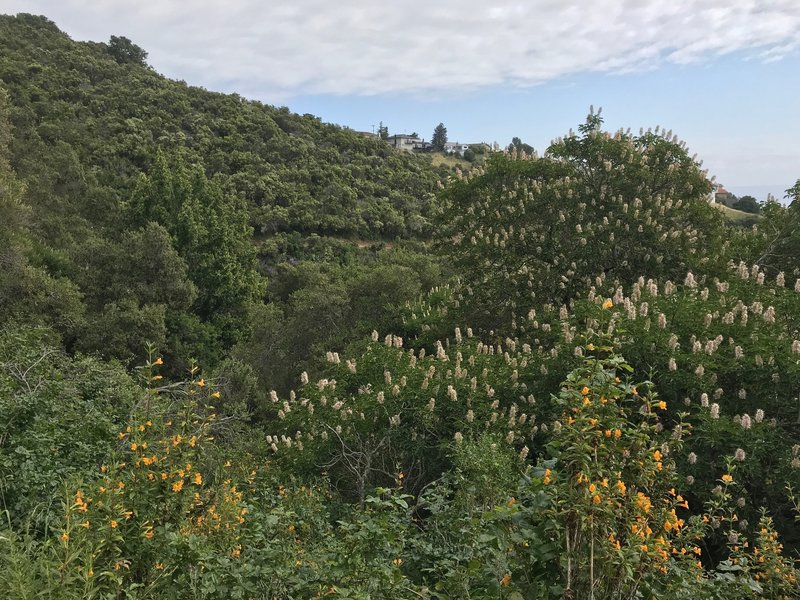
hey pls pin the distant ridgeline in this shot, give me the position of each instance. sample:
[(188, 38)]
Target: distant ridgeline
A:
[(89, 117)]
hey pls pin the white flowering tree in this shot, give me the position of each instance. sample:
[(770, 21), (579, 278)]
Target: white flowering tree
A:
[(395, 412), (726, 350), (532, 230)]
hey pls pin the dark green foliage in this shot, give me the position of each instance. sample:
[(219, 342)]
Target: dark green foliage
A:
[(111, 117), (209, 231), (775, 242), (383, 131), (518, 146), (439, 137), (60, 417), (747, 204), (92, 129), (125, 51), (317, 307)]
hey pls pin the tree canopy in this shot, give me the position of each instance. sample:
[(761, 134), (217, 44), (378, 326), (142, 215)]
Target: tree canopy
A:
[(597, 206), (439, 137)]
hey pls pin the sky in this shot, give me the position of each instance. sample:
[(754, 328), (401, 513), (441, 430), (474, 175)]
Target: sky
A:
[(724, 75)]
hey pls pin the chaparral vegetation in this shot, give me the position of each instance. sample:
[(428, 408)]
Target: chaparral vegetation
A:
[(245, 354)]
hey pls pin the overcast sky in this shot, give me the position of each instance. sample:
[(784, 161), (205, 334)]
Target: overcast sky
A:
[(723, 74)]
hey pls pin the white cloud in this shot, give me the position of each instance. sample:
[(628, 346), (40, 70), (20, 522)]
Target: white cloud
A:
[(278, 48)]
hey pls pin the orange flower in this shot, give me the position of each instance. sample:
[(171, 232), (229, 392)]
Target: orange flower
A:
[(65, 537), (505, 580), (617, 433), (585, 391), (201, 383), (608, 303), (216, 395), (662, 405), (177, 486), (114, 524), (85, 524), (546, 479), (727, 478), (198, 479), (159, 361)]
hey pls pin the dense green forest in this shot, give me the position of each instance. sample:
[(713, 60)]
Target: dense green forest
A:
[(246, 354)]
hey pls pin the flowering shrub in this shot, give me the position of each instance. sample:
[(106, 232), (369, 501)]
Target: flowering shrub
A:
[(625, 528), (530, 230), (725, 351), (158, 507), (393, 410), (59, 414)]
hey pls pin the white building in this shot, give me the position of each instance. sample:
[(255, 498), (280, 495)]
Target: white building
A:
[(455, 147), (402, 141)]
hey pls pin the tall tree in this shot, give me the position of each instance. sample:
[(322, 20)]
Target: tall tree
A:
[(596, 207), (747, 204), (125, 51), (383, 131), (439, 138), (210, 231), (520, 146)]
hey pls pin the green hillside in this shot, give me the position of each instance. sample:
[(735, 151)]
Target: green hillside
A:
[(115, 164), (248, 355), (94, 114)]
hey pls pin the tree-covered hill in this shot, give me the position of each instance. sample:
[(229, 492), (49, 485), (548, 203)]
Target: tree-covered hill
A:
[(131, 202), (89, 117), (237, 362)]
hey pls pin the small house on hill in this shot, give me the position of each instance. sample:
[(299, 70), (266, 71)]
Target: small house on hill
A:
[(455, 147), (723, 196), (402, 141)]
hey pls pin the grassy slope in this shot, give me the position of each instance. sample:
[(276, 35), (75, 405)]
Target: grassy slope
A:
[(737, 217)]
